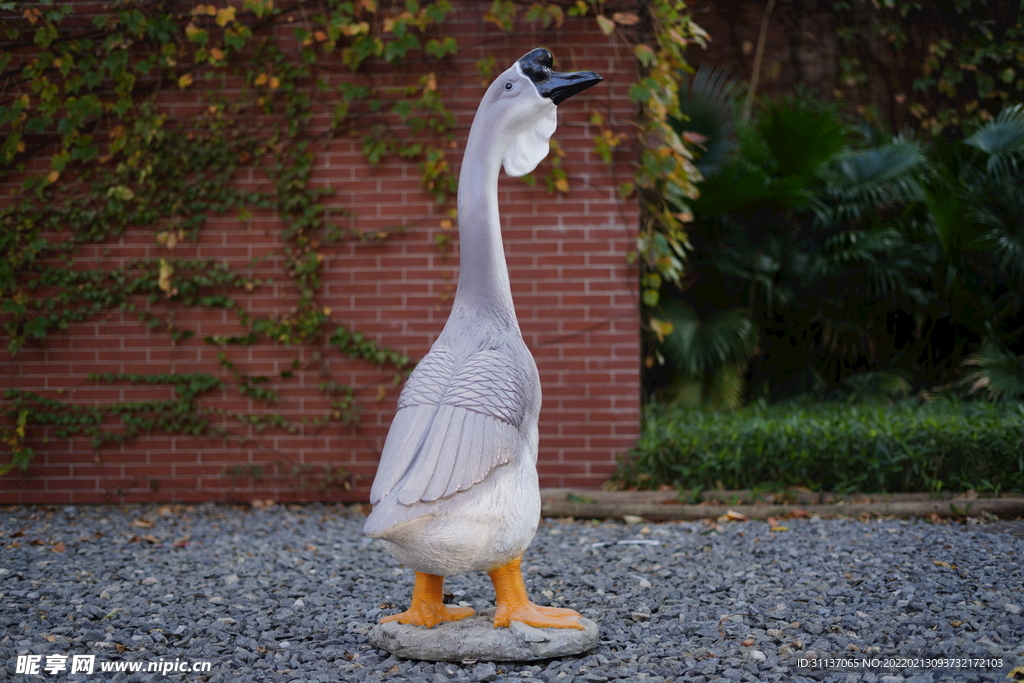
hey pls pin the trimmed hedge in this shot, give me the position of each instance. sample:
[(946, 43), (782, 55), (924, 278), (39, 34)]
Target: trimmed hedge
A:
[(835, 447)]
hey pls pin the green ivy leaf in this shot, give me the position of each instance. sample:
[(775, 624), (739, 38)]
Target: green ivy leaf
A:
[(441, 48)]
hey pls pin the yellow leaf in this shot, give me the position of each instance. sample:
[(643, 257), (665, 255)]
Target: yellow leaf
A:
[(661, 328), (211, 10), (382, 393), (168, 238), (780, 528), (262, 79), (225, 16), (1017, 674), (355, 29), (216, 54), (275, 82), (320, 36), (164, 283), (645, 54), (940, 563), (446, 224), (327, 310), (52, 176), (562, 185), (625, 18), (145, 523), (21, 146), (606, 25), (185, 81), (430, 83)]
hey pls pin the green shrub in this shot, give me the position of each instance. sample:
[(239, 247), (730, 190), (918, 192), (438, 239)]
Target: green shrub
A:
[(836, 447)]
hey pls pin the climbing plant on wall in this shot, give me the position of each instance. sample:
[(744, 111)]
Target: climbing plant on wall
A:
[(90, 155), (960, 62)]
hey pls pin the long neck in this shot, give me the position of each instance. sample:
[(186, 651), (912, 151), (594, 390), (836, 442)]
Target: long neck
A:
[(483, 274)]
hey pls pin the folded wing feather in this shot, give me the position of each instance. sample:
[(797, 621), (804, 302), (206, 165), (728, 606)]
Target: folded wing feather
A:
[(457, 421)]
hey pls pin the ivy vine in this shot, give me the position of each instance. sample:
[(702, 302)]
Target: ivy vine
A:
[(961, 61), (93, 156)]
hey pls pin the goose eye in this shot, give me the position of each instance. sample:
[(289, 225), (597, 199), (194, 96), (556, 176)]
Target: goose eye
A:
[(508, 86)]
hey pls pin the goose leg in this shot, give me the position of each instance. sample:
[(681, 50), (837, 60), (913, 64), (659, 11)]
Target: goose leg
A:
[(428, 608), (514, 605)]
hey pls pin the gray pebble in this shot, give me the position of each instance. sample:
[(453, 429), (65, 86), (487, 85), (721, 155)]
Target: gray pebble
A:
[(248, 595)]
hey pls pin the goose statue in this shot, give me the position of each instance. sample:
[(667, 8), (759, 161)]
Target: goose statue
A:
[(456, 489)]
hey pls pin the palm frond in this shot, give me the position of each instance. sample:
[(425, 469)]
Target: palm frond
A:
[(1009, 250), (706, 102), (696, 347), (757, 266), (725, 389), (743, 188), (887, 260), (1001, 209), (850, 247), (802, 135), (999, 373), (862, 183), (1002, 139), (892, 384), (949, 208)]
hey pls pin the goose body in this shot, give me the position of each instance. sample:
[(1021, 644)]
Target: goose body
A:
[(469, 499), (456, 489)]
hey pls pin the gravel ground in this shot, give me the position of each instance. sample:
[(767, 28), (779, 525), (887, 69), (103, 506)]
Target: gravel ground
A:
[(289, 593)]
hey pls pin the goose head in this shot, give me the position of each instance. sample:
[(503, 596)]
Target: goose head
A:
[(519, 108)]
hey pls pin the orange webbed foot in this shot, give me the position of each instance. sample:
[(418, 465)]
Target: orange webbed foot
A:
[(428, 608), (514, 605), (537, 616), (430, 616)]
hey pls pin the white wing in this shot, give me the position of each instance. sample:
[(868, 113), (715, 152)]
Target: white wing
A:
[(456, 422)]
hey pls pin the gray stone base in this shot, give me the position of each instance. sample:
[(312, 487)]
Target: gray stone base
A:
[(475, 638)]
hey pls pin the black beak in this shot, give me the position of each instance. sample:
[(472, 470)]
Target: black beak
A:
[(558, 87), (561, 87)]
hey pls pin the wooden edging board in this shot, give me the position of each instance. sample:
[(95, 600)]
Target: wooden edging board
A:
[(556, 504)]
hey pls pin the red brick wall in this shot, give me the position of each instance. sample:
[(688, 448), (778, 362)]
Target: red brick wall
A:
[(575, 296)]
